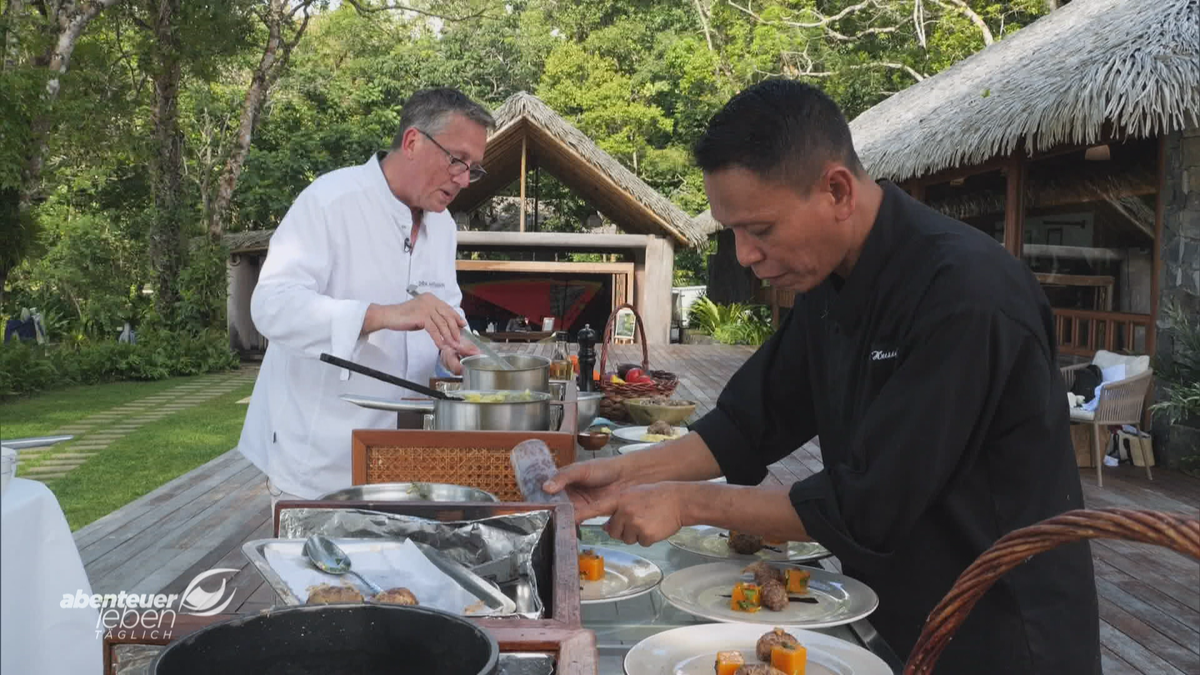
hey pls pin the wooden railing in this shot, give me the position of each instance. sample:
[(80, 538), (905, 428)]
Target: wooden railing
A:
[(1084, 332)]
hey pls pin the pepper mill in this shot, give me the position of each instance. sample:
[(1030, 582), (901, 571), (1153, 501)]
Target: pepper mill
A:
[(587, 356)]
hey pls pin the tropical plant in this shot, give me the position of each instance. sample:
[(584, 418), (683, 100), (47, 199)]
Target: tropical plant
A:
[(733, 324), (1179, 373)]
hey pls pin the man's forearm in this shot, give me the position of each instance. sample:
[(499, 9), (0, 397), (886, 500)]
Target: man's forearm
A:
[(764, 510)]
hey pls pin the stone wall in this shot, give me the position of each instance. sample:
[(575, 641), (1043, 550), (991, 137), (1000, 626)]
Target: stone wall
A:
[(1180, 280)]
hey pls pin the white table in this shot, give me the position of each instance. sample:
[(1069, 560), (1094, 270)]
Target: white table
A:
[(39, 564)]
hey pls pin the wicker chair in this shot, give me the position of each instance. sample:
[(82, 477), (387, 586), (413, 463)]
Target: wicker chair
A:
[(1121, 402)]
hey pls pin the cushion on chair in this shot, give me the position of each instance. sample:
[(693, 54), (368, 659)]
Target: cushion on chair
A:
[(1081, 415), (1134, 365)]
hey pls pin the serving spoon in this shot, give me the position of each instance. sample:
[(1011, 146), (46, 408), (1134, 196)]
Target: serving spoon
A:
[(331, 559)]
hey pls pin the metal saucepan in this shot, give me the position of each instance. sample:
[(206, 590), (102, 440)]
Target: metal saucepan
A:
[(521, 411), (358, 639), (409, 492), (493, 410), (528, 371)]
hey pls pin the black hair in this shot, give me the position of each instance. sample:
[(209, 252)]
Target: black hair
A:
[(782, 130)]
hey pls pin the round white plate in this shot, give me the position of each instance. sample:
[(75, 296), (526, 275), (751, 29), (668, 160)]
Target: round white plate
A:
[(713, 542), (625, 576), (692, 650), (698, 590), (634, 434), (634, 447)]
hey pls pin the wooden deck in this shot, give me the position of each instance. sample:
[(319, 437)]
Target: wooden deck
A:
[(1149, 597)]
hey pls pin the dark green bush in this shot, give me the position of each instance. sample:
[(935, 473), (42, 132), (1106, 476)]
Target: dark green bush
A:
[(27, 368)]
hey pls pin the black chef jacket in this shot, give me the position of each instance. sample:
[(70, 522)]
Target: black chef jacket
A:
[(930, 376)]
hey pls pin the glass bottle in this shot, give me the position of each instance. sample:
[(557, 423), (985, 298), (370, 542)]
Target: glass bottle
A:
[(560, 363)]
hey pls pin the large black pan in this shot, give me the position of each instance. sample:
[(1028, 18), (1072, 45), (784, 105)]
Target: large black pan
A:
[(351, 639)]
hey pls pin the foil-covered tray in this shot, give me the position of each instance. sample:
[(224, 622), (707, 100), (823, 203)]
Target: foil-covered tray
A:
[(509, 550), (493, 601)]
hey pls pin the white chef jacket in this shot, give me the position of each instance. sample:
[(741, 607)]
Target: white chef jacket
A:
[(340, 248)]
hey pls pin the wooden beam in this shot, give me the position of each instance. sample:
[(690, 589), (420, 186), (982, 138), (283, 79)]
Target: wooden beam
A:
[(524, 156), (1014, 205), (560, 240), (539, 267)]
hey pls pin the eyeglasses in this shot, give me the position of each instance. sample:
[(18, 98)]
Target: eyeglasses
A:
[(457, 166)]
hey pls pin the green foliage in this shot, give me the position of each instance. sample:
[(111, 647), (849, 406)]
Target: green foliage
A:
[(733, 324), (28, 368), (203, 290), (1179, 374)]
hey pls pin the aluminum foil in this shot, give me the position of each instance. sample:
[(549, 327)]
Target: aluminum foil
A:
[(506, 548)]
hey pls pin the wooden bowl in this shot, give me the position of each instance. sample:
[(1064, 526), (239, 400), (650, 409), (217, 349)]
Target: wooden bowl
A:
[(647, 413), (592, 440)]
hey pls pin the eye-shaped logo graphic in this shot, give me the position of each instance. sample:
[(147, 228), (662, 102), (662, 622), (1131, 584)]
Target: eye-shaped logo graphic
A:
[(196, 600)]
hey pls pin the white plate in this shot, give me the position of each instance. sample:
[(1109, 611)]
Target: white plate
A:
[(625, 576), (634, 447), (692, 650), (634, 434), (698, 590), (713, 542)]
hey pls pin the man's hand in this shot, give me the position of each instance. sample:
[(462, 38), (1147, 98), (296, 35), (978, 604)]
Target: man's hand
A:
[(593, 486), (451, 357), (647, 514), (425, 312)]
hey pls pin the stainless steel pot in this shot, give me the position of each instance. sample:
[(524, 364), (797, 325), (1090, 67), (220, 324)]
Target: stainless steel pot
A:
[(458, 415), (529, 371), (410, 492)]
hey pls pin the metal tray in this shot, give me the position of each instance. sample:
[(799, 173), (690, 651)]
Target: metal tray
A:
[(488, 593)]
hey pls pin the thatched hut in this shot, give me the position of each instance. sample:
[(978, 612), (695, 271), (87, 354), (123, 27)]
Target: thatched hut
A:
[(634, 267), (1074, 143)]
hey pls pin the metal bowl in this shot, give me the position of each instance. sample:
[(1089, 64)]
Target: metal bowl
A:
[(410, 492), (589, 407)]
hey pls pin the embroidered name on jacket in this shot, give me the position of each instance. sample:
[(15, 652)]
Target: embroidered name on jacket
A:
[(883, 355)]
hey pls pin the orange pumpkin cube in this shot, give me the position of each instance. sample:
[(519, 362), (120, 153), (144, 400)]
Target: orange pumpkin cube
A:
[(746, 597), (591, 566), (789, 658), (729, 662), (797, 581)]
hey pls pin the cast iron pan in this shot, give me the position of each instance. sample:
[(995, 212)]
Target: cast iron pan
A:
[(348, 639)]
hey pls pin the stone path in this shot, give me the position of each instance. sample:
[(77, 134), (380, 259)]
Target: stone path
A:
[(98, 431)]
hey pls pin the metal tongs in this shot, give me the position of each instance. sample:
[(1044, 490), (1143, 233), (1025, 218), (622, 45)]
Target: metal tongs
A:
[(483, 346)]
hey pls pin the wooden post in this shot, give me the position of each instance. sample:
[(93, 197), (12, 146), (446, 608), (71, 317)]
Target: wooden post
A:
[(1156, 256), (1014, 205), (524, 152)]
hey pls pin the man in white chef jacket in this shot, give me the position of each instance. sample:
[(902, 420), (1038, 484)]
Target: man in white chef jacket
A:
[(335, 280)]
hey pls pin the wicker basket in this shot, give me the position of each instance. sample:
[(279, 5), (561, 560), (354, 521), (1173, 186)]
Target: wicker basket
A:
[(1177, 532), (612, 405)]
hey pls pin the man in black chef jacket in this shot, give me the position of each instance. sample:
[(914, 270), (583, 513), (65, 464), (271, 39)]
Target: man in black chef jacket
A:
[(921, 353)]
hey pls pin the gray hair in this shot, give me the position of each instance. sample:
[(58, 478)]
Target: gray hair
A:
[(430, 109)]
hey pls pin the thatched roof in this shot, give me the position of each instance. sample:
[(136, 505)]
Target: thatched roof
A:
[(706, 223), (1130, 64), (558, 147)]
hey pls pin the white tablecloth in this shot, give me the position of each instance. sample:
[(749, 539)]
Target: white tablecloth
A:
[(39, 564)]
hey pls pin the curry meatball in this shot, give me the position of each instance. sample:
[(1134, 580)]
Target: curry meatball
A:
[(763, 572), (776, 637), (397, 596), (746, 544), (774, 596), (324, 594), (661, 428)]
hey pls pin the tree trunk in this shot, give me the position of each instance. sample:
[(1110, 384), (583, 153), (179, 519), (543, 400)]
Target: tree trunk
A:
[(72, 20), (166, 162), (270, 66)]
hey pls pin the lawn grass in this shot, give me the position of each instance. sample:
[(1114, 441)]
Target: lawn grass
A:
[(149, 457), (44, 413)]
